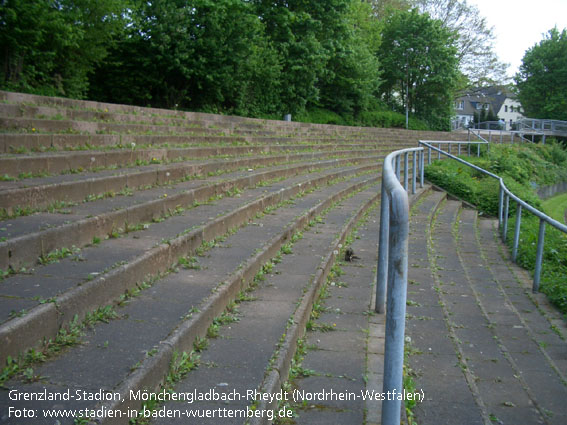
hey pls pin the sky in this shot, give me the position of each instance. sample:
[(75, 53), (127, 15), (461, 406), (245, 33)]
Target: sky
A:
[(520, 24)]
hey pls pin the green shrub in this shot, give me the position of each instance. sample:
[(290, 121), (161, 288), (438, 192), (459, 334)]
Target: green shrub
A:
[(321, 116), (388, 119)]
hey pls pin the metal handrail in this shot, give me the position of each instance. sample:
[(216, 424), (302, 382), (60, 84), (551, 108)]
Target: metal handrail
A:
[(503, 208), (501, 133), (393, 268), (552, 126)]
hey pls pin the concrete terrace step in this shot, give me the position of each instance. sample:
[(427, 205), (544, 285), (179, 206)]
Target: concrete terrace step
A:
[(147, 319), (76, 162), (34, 237), (159, 246), (270, 325), (476, 335), (143, 260), (70, 187)]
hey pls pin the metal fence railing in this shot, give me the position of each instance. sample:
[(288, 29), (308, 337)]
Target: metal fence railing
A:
[(393, 267), (503, 210), (549, 126), (499, 136), (392, 272)]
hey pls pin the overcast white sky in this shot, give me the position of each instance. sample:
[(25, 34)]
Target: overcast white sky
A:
[(519, 24)]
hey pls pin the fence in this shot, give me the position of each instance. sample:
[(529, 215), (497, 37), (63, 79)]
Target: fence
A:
[(393, 249), (500, 135), (503, 209), (393, 267)]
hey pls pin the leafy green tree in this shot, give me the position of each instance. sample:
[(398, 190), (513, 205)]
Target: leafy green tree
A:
[(50, 47), (201, 54), (475, 40), (420, 66), (293, 28), (542, 80), (352, 78)]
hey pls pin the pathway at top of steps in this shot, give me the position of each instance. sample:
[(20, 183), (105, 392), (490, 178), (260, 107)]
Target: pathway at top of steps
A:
[(474, 354)]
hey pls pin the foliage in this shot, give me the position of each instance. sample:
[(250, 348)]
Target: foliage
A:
[(523, 168), (420, 66), (477, 60), (554, 264), (378, 117), (542, 80), (385, 118), (260, 58), (50, 47), (200, 55), (556, 207)]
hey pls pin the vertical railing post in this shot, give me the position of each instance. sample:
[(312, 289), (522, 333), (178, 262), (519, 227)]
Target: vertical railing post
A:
[(429, 159), (439, 151), (396, 311), (398, 167), (469, 149), (459, 149), (414, 172), (406, 171), (500, 205), (539, 255), (382, 270), (506, 207), (421, 168), (517, 232)]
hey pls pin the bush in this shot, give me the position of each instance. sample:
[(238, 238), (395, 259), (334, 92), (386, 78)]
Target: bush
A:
[(388, 119), (321, 116), (375, 118)]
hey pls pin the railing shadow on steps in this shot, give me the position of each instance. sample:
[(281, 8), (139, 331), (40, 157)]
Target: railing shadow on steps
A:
[(393, 268), (503, 209)]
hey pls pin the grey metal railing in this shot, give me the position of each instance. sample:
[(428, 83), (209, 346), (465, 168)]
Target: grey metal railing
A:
[(457, 145), (503, 209), (393, 267), (498, 136), (550, 127)]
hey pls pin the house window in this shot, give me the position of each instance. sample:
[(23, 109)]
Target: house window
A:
[(460, 104), (505, 108), (511, 109), (486, 106)]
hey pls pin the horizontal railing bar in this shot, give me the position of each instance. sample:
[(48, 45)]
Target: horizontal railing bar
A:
[(524, 204)]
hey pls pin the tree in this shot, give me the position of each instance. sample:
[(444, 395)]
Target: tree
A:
[(50, 47), (475, 39), (202, 55), (420, 64), (542, 79), (352, 76)]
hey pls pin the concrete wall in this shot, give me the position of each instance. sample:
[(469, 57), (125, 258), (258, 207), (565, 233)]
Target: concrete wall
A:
[(549, 191)]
